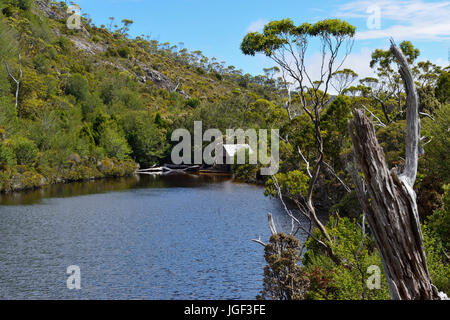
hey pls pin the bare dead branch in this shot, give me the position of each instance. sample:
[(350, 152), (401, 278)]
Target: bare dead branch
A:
[(331, 170), (16, 80), (378, 119), (306, 161), (272, 226), (412, 118)]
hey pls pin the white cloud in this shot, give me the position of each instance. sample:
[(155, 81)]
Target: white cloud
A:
[(257, 25), (356, 61), (360, 63), (407, 19)]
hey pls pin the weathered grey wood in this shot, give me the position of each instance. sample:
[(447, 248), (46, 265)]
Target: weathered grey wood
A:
[(392, 210), (17, 81), (273, 230), (154, 169), (412, 118)]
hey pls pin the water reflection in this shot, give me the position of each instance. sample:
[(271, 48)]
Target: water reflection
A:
[(30, 197)]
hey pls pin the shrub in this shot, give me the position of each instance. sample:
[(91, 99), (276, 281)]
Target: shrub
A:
[(193, 102), (293, 184), (131, 99), (283, 277), (24, 150), (24, 4), (21, 4), (115, 144), (7, 157), (245, 172), (347, 280), (78, 86), (437, 244), (41, 63), (439, 221), (160, 122), (443, 88), (99, 125), (392, 139), (436, 152), (147, 141), (124, 52), (64, 43)]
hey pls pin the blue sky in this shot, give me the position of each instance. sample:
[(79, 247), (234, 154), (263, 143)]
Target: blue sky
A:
[(216, 27)]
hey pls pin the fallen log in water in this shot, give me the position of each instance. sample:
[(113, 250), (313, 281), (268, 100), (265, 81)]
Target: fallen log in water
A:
[(166, 168), (155, 169)]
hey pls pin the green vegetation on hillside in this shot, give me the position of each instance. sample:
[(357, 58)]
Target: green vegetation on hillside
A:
[(95, 103)]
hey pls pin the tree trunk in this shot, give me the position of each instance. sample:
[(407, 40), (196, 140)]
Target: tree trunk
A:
[(17, 81), (392, 211)]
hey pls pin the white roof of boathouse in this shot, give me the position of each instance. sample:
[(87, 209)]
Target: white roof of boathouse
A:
[(232, 149)]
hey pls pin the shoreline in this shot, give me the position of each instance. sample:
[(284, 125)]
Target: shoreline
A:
[(21, 178)]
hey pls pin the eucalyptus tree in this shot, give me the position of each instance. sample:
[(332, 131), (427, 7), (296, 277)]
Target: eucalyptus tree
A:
[(110, 26), (378, 90), (443, 87), (343, 79), (426, 75), (287, 45)]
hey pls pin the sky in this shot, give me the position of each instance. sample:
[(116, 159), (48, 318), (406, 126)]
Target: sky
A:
[(217, 27)]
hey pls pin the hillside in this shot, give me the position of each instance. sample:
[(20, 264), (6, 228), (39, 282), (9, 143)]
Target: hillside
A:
[(94, 102)]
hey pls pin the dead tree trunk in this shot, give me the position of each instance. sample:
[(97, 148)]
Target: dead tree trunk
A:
[(17, 81), (392, 211)]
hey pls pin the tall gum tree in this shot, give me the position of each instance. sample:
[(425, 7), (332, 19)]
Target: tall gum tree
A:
[(287, 45)]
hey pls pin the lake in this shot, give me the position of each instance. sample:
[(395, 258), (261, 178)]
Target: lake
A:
[(147, 237)]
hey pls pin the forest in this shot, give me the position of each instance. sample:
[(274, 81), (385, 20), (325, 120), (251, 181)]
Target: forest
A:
[(93, 103)]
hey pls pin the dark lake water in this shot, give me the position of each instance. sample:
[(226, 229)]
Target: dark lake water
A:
[(161, 237)]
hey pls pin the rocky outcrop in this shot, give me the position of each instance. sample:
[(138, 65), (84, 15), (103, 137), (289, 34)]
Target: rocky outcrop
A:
[(160, 80), (88, 46), (155, 77), (49, 10), (82, 41)]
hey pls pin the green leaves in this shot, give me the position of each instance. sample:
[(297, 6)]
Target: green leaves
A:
[(283, 277), (410, 52), (253, 42), (292, 184), (78, 86), (384, 57), (275, 28), (148, 142), (7, 157), (332, 27), (115, 144), (24, 150), (437, 243), (443, 88), (348, 280), (436, 151), (281, 32)]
